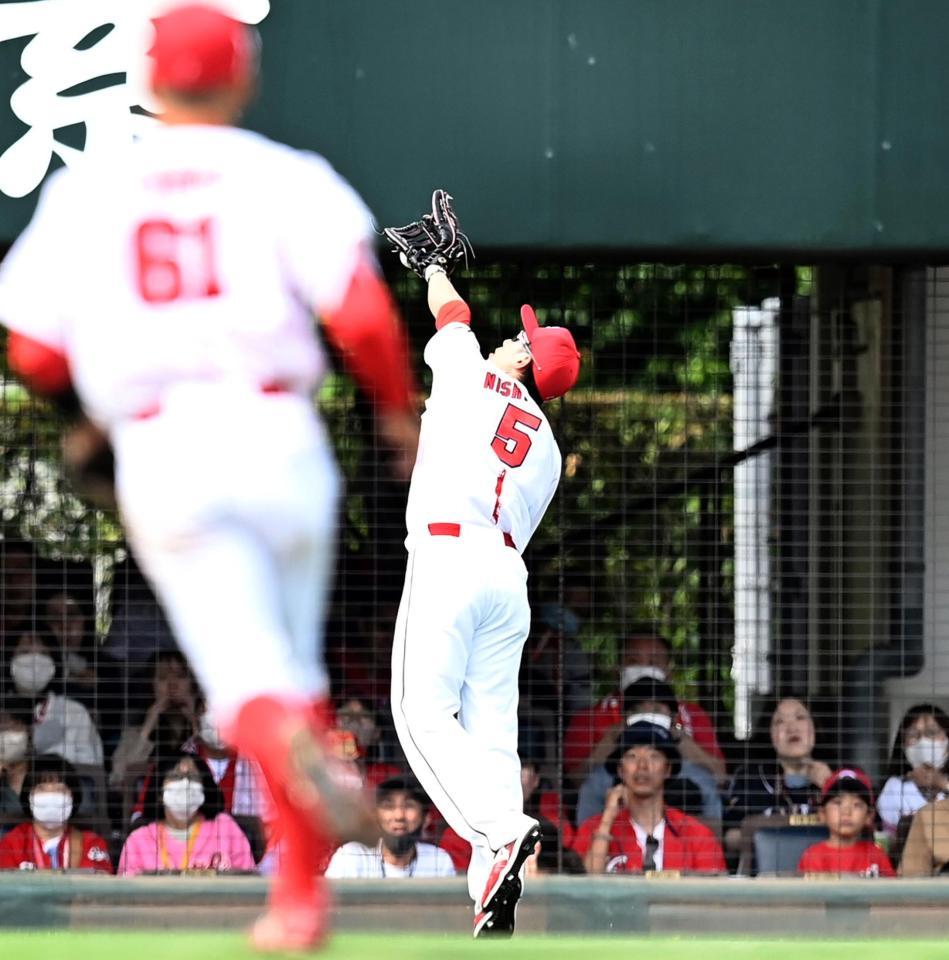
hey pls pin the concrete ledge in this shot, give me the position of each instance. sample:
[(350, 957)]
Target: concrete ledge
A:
[(621, 905)]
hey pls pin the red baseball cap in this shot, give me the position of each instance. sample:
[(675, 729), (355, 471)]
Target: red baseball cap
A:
[(198, 47), (555, 354), (848, 780)]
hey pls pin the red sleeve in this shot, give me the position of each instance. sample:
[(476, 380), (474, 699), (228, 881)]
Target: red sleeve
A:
[(707, 851), (587, 729), (578, 741), (584, 835), (367, 330), (44, 370), (703, 733), (14, 849), (455, 311)]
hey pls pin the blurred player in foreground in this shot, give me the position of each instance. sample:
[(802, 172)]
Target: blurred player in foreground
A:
[(173, 288), (487, 468)]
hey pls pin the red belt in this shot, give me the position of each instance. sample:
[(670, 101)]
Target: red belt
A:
[(154, 409), (454, 530)]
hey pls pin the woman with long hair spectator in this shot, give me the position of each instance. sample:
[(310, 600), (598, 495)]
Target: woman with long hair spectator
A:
[(15, 750), (185, 827), (46, 840), (918, 772), (785, 778)]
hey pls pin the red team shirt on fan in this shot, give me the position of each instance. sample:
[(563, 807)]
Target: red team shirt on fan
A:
[(214, 269), (687, 845), (492, 483), (588, 727), (22, 849), (864, 858)]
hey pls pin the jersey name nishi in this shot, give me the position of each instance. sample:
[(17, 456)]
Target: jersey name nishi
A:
[(487, 455), (147, 271)]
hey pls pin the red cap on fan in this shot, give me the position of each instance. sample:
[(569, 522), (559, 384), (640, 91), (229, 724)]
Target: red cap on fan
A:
[(556, 357), (199, 48)]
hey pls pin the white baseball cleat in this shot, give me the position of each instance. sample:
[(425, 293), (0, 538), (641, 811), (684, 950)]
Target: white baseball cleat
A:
[(496, 914)]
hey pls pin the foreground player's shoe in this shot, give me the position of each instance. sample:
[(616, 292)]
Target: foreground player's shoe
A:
[(496, 914), (285, 929), (327, 786)]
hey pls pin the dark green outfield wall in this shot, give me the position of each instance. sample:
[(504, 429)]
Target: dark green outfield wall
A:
[(656, 126)]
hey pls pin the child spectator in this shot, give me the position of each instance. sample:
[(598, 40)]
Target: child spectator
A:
[(186, 828), (46, 840), (401, 806), (637, 832), (847, 809), (917, 773)]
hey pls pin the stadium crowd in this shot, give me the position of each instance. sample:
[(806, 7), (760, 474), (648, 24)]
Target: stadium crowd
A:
[(110, 761)]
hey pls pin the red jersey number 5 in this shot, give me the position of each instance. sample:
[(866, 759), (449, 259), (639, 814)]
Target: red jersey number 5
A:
[(175, 261), (511, 441)]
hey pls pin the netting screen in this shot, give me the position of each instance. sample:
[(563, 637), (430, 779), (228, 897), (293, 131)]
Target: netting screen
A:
[(738, 547)]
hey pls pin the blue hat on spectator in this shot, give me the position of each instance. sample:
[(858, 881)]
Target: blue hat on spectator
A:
[(646, 730)]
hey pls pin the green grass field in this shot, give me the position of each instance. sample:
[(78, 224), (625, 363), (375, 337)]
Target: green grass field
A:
[(66, 945)]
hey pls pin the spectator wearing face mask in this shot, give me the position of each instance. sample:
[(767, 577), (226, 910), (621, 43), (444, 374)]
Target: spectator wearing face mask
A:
[(401, 807), (61, 725), (691, 789), (593, 733), (186, 828), (14, 759), (917, 773), (46, 841)]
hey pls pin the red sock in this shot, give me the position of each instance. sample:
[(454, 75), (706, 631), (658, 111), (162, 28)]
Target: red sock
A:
[(263, 731)]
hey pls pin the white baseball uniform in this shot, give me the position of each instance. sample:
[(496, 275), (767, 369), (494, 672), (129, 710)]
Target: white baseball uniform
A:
[(487, 468), (179, 279)]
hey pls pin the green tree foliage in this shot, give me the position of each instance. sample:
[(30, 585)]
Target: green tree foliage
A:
[(640, 529)]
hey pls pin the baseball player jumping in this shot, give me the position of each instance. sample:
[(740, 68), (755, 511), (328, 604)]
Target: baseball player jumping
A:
[(172, 288), (487, 468)]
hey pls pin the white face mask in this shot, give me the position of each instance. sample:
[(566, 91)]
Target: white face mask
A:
[(13, 744), (51, 809), (630, 675), (209, 733), (32, 672), (182, 798), (658, 719), (927, 750)]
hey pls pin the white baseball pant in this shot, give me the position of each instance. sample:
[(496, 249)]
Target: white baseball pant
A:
[(229, 499), (460, 631)]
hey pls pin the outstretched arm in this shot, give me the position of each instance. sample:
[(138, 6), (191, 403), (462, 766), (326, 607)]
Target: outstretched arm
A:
[(444, 300)]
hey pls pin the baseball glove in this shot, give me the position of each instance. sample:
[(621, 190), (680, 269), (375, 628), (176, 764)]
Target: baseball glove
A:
[(435, 240)]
